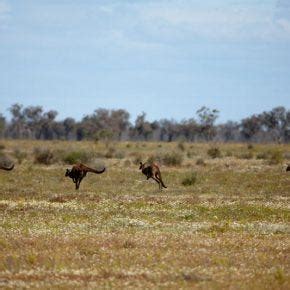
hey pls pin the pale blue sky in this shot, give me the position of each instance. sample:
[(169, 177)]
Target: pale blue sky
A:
[(166, 58)]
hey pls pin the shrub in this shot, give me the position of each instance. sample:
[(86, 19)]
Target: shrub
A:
[(246, 155), (43, 156), (77, 156), (119, 154), (172, 159), (262, 155), (181, 146), (190, 179), (214, 152), (127, 163), (19, 155), (137, 157), (229, 153), (250, 146), (200, 161), (110, 153), (275, 157)]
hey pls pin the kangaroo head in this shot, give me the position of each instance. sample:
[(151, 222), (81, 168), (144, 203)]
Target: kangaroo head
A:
[(67, 172)]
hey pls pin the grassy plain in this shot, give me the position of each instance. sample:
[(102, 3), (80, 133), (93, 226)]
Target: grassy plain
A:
[(227, 229)]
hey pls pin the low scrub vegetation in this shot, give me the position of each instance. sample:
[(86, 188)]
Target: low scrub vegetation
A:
[(219, 226)]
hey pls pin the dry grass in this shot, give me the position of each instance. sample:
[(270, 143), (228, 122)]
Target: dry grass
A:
[(229, 230)]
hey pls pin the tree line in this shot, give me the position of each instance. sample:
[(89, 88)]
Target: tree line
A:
[(33, 122)]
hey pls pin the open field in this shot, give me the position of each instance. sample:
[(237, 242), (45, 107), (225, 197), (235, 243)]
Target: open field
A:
[(227, 227)]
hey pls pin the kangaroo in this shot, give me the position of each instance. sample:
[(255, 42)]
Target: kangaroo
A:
[(7, 168), (288, 168), (152, 171), (79, 171)]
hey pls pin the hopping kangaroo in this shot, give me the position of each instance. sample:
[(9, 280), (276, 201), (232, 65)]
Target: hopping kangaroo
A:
[(7, 168), (79, 171), (152, 171)]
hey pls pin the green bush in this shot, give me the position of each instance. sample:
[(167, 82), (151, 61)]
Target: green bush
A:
[(77, 156), (190, 179), (43, 156), (214, 152)]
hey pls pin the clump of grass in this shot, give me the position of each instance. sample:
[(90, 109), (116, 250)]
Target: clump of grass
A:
[(262, 155), (43, 156), (200, 162), (58, 198), (214, 152), (181, 146), (19, 155), (229, 153), (119, 154), (275, 157), (113, 153), (110, 153), (137, 157), (2, 147), (190, 179), (250, 146), (127, 162), (77, 156), (172, 159), (246, 155)]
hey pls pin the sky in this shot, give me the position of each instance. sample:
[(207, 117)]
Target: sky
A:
[(167, 58)]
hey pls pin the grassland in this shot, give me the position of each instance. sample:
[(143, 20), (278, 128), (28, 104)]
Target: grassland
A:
[(227, 229)]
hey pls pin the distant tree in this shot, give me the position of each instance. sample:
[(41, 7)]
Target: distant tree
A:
[(189, 129), (228, 131), (169, 130), (17, 127), (142, 128), (32, 116), (250, 127), (207, 118), (2, 125), (48, 125), (275, 123), (69, 126)]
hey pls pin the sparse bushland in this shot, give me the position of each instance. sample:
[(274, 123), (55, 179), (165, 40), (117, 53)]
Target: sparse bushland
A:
[(228, 229)]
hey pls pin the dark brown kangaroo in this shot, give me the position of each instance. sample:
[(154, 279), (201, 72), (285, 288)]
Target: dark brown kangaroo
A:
[(7, 168), (152, 171), (79, 171), (288, 168)]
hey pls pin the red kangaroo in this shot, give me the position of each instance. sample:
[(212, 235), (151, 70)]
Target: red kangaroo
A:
[(79, 171), (152, 171), (7, 168)]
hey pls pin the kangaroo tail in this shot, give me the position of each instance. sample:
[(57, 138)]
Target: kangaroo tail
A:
[(7, 168), (97, 171)]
